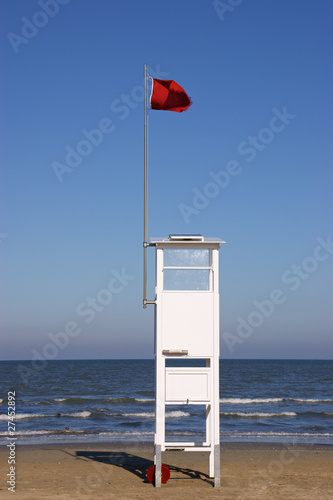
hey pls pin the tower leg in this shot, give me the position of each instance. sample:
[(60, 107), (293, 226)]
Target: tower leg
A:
[(217, 465), (209, 429), (158, 466), (211, 464)]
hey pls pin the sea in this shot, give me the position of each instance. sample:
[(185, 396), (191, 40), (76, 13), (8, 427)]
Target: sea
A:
[(275, 401)]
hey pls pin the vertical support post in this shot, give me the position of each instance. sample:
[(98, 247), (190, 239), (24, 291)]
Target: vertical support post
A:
[(158, 466), (159, 379), (209, 436), (208, 423), (145, 197), (216, 375), (216, 466), (209, 418)]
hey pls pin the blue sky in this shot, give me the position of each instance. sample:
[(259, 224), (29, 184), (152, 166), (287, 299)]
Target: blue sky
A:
[(260, 77)]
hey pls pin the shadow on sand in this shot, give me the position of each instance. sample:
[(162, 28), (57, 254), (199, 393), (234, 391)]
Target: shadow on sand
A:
[(139, 465)]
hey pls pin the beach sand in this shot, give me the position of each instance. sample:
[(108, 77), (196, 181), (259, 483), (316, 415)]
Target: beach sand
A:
[(118, 470)]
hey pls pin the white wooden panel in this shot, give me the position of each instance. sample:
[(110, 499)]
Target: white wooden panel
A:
[(184, 384), (187, 322)]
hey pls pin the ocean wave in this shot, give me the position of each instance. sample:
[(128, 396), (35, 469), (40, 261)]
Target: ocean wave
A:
[(19, 416), (299, 400), (315, 414), (27, 433), (127, 433), (43, 432), (246, 401), (258, 415), (168, 414), (144, 400), (140, 415), (80, 400), (277, 434), (79, 414), (72, 399), (176, 414), (120, 400)]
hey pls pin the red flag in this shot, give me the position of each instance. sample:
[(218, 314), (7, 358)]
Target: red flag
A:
[(168, 95)]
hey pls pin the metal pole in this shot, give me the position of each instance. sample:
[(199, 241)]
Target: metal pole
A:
[(145, 198)]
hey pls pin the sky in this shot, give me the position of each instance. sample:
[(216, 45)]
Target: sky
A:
[(249, 162)]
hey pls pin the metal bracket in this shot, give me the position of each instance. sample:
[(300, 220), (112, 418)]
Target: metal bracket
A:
[(147, 302)]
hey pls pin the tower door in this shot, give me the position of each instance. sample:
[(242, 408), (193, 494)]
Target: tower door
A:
[(188, 322)]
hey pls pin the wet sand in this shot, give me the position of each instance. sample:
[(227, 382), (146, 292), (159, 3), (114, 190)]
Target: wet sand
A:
[(118, 470)]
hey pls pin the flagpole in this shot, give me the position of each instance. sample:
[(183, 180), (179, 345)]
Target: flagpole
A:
[(145, 198)]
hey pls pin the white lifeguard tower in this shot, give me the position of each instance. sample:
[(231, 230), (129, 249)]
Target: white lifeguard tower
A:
[(187, 329)]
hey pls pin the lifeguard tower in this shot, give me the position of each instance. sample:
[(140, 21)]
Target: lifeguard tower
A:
[(187, 329)]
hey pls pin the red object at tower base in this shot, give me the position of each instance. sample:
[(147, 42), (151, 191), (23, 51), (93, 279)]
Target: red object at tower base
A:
[(165, 474)]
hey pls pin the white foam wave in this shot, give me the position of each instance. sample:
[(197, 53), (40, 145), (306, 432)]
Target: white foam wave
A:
[(168, 414), (299, 400), (42, 432), (246, 401), (127, 433), (26, 433), (273, 434), (148, 400), (176, 414), (259, 415), (60, 399), (79, 414), (140, 415), (19, 416)]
